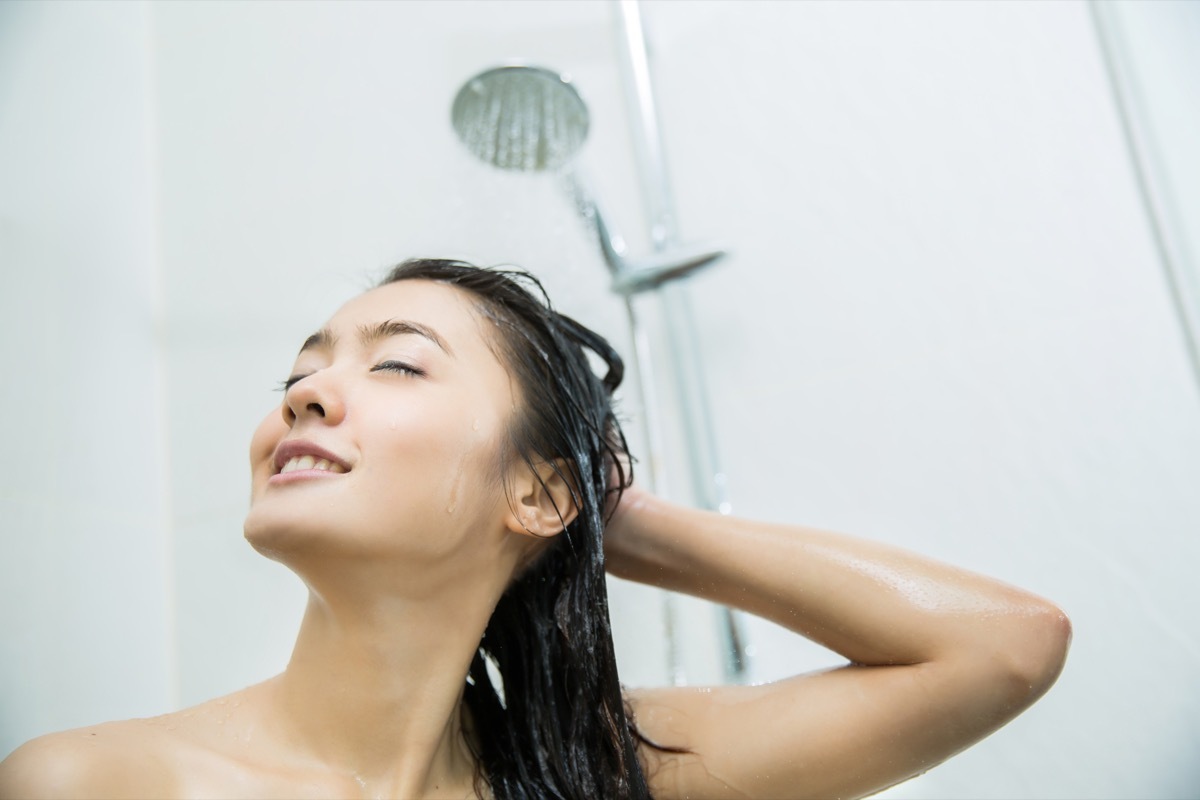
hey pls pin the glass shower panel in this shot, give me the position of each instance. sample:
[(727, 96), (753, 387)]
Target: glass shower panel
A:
[(1152, 59)]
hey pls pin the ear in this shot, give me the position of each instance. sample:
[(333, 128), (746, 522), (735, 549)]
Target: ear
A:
[(542, 504)]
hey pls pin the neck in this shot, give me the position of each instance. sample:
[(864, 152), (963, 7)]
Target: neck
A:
[(374, 687)]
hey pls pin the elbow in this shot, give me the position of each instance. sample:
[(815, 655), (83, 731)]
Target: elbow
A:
[(1037, 650)]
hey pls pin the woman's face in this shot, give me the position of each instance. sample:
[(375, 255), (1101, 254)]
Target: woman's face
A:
[(388, 438)]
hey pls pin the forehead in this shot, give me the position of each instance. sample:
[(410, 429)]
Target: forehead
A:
[(449, 311)]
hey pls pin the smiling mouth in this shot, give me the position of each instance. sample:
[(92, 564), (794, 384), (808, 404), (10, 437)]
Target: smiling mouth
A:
[(299, 463)]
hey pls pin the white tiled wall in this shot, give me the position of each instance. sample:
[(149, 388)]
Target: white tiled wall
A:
[(943, 324)]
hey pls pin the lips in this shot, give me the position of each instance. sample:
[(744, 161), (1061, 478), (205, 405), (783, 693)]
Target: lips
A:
[(296, 455)]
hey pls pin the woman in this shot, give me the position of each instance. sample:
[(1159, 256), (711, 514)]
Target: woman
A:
[(445, 474)]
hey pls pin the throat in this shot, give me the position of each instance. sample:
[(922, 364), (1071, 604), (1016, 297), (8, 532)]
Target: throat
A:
[(379, 698)]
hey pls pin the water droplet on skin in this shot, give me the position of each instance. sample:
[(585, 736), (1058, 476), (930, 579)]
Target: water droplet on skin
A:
[(475, 425)]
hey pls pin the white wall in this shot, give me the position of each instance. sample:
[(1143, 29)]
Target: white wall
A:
[(85, 610), (943, 326)]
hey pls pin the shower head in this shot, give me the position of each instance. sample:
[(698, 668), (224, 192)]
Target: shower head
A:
[(520, 117)]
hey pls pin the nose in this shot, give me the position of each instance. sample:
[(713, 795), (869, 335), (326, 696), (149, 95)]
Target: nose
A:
[(316, 397)]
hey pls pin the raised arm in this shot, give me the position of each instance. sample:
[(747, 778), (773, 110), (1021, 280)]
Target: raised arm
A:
[(939, 657)]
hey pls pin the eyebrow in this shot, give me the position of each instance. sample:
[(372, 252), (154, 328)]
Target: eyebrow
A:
[(369, 334)]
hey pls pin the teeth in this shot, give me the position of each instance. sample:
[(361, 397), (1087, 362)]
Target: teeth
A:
[(310, 462)]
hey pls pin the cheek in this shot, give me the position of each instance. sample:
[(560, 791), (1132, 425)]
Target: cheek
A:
[(448, 470), (472, 480), (262, 445)]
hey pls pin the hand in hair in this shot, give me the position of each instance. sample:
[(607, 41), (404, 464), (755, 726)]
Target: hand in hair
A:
[(619, 556)]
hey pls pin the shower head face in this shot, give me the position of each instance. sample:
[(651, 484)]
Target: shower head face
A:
[(520, 118)]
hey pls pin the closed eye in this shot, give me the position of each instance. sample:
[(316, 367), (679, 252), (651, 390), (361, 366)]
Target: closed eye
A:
[(400, 367), (383, 366), (289, 383)]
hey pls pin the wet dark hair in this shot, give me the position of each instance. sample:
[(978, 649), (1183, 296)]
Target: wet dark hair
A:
[(558, 726)]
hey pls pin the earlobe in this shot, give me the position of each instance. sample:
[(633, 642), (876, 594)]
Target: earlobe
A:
[(543, 502)]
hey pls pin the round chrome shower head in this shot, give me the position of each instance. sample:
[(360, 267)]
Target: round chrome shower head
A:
[(520, 117)]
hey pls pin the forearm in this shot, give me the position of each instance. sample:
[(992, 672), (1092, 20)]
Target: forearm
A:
[(870, 602)]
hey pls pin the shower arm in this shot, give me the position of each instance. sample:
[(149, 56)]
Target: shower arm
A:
[(671, 260)]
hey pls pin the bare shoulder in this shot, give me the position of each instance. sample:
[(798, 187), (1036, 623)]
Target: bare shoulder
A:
[(115, 759), (195, 751)]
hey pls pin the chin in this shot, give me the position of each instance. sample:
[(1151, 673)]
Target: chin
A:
[(273, 537), (291, 532), (277, 529)]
